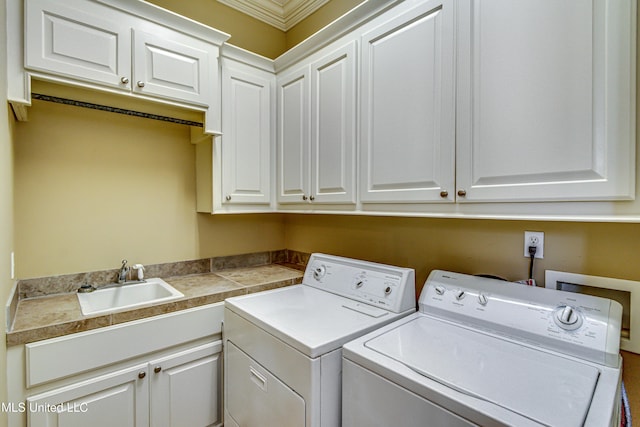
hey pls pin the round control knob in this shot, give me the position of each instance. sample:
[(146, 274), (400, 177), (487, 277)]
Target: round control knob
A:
[(387, 290), (567, 317), (359, 283), (460, 294), (319, 272), (440, 290), (482, 299)]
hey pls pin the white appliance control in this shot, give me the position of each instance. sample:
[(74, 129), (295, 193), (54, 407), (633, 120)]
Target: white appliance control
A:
[(319, 272), (567, 317), (576, 324), (482, 299), (375, 284)]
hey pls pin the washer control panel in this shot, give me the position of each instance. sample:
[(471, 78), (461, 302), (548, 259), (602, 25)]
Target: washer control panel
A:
[(385, 286), (576, 324)]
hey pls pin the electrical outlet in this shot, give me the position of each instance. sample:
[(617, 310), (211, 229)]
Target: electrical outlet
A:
[(534, 238)]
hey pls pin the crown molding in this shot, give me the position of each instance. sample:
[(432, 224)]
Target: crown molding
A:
[(282, 14)]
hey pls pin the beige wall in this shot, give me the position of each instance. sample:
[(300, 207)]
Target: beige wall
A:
[(471, 246), (93, 188), (328, 13), (246, 32), (6, 210)]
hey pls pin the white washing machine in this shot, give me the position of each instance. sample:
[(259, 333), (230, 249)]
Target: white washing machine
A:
[(481, 352), (283, 358)]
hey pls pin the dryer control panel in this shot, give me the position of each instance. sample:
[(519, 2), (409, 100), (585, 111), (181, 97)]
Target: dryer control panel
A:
[(384, 286), (580, 325)]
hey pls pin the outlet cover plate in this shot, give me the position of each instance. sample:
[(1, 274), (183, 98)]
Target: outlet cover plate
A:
[(535, 238)]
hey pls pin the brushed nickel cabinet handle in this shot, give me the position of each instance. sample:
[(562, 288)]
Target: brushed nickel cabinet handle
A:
[(157, 369), (312, 198), (444, 193), (142, 374), (140, 84), (304, 197), (124, 80), (462, 193), (228, 198)]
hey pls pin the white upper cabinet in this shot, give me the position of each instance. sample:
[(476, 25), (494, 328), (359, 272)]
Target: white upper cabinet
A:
[(171, 65), (77, 42), (545, 98), (408, 107), (333, 130), (248, 100), (120, 46), (293, 136), (317, 132)]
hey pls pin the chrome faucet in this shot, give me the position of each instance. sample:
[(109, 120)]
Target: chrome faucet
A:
[(124, 271)]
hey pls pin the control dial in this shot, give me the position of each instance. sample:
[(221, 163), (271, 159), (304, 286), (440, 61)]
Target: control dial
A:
[(482, 299), (319, 271), (567, 317)]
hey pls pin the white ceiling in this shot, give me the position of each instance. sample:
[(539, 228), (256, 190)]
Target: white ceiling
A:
[(282, 14)]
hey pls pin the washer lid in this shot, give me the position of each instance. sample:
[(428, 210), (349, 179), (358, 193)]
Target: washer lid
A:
[(312, 321), (546, 388)]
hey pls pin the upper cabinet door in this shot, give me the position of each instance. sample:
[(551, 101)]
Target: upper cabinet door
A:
[(545, 100), (408, 107), (293, 136), (172, 65), (333, 134), (247, 128), (81, 43)]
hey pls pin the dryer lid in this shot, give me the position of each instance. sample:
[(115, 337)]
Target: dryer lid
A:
[(546, 388), (312, 321)]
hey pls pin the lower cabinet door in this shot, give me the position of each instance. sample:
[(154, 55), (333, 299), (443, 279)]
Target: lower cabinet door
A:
[(186, 388), (255, 397), (116, 399)]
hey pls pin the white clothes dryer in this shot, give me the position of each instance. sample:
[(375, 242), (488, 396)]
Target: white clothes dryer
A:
[(283, 348), (482, 352)]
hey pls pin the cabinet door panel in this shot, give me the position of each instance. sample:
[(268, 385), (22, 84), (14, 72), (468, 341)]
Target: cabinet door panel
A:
[(186, 388), (408, 107), (246, 139), (116, 399), (333, 85), (538, 109), (293, 136), (77, 43), (171, 67)]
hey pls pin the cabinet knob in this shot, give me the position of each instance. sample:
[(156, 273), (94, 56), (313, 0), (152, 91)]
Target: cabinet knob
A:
[(228, 198), (462, 193), (444, 193), (312, 198), (124, 80), (157, 369), (140, 84), (304, 197), (142, 374)]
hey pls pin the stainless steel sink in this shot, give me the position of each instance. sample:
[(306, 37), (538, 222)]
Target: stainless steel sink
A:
[(127, 296)]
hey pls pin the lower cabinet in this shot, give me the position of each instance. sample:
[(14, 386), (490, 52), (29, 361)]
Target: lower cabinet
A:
[(180, 389)]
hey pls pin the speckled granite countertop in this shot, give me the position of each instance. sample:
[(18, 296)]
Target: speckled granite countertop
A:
[(57, 315)]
